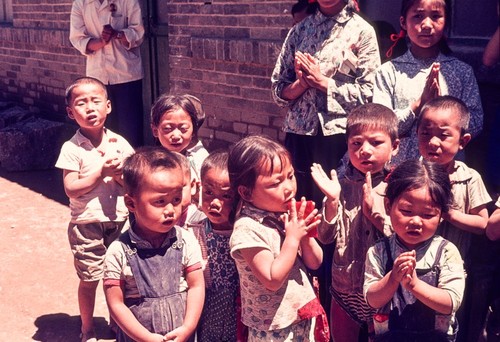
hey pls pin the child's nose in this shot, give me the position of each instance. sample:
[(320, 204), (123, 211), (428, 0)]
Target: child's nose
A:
[(365, 149), (416, 221), (434, 141)]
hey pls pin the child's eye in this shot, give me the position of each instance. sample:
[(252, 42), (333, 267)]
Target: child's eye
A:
[(405, 212), (227, 196), (159, 202), (176, 200), (208, 192)]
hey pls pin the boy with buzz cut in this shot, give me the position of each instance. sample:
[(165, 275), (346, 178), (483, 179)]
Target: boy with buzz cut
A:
[(92, 163), (354, 216), (441, 130), (153, 278)]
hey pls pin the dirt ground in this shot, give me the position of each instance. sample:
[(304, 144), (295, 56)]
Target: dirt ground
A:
[(38, 284)]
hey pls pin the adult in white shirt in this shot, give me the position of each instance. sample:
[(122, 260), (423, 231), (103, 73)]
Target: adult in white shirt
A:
[(109, 33)]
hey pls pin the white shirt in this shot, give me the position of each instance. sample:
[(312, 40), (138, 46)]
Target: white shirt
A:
[(115, 63)]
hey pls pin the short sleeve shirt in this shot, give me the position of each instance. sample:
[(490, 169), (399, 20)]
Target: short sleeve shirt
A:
[(117, 269), (103, 203), (263, 309)]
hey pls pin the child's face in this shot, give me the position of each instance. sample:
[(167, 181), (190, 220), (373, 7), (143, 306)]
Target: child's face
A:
[(157, 206), (439, 136), (217, 198), (272, 192), (175, 130), (89, 106), (424, 23), (371, 149), (414, 216)]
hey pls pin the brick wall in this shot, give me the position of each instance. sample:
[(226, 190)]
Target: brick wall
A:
[(221, 51), (37, 59), (224, 52)]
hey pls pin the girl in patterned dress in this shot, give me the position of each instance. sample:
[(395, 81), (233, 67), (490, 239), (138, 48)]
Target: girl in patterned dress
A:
[(427, 70), (271, 245), (220, 319)]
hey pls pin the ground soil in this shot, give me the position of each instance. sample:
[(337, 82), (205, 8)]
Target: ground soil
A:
[(38, 284)]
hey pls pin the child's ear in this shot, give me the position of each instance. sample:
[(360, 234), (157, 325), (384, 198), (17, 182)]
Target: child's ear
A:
[(395, 147), (69, 111), (154, 129), (387, 205), (464, 140), (129, 202), (402, 23), (245, 193), (108, 106)]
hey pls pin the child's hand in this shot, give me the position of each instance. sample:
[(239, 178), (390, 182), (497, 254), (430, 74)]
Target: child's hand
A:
[(297, 64), (297, 223), (367, 195), (431, 88), (404, 267), (110, 167), (329, 187), (312, 72), (179, 334)]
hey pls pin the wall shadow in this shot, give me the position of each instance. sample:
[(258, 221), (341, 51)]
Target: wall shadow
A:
[(61, 327), (49, 183)]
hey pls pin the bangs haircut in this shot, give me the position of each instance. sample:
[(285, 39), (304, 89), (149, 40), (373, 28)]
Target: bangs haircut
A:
[(165, 103), (415, 174), (452, 103), (372, 116), (80, 81), (216, 160), (145, 161), (248, 158)]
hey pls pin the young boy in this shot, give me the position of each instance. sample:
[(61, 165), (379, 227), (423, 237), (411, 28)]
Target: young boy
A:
[(92, 173), (219, 319), (441, 135), (354, 214), (153, 279)]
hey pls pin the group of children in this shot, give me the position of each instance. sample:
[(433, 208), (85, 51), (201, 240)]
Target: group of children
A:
[(216, 247)]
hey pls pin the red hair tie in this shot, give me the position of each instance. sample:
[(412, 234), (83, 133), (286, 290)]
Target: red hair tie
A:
[(311, 1), (395, 38), (356, 5)]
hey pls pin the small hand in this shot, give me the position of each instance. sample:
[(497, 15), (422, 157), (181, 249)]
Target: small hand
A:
[(367, 195), (297, 224), (179, 334), (403, 267), (431, 88), (312, 72), (329, 187)]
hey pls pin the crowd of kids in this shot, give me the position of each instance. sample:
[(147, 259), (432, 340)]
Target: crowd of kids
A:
[(223, 246)]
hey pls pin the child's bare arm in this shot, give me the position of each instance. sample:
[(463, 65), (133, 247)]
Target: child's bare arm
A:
[(382, 291), (312, 254), (194, 306), (435, 298), (493, 227), (76, 186), (125, 318), (474, 222)]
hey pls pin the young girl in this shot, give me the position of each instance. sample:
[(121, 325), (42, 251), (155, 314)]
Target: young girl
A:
[(175, 120), (270, 244), (424, 72), (415, 279), (219, 319)]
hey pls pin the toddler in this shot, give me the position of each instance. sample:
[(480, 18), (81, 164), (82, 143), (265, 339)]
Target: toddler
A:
[(415, 278), (153, 279), (271, 246)]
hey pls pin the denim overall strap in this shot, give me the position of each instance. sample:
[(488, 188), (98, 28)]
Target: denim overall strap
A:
[(157, 272), (416, 321)]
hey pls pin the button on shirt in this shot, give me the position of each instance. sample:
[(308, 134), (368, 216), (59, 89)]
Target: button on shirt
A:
[(115, 63), (332, 41)]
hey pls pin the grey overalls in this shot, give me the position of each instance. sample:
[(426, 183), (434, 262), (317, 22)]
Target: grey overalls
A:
[(157, 272)]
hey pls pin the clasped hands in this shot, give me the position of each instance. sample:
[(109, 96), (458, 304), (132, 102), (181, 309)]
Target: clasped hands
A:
[(308, 72)]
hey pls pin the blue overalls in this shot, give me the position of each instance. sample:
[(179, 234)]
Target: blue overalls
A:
[(157, 272), (412, 322)]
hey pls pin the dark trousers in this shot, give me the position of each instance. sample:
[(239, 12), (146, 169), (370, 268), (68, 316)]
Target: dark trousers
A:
[(327, 151), (126, 118)]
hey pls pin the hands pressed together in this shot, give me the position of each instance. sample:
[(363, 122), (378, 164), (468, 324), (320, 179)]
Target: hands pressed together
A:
[(403, 270), (308, 72)]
